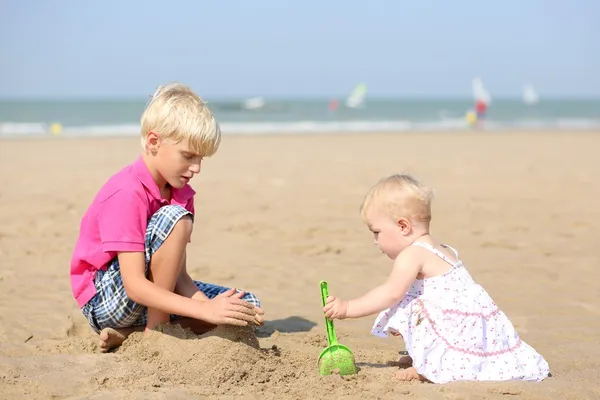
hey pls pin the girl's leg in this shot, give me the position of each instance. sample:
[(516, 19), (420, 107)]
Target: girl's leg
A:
[(410, 374)]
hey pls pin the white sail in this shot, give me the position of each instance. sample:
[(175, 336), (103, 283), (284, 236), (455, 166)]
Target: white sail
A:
[(480, 93), (254, 103), (357, 97), (530, 96)]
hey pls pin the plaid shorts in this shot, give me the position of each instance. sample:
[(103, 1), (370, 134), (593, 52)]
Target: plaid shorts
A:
[(111, 308)]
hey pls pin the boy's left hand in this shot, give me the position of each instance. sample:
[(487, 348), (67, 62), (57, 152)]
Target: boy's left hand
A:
[(258, 317), (335, 308)]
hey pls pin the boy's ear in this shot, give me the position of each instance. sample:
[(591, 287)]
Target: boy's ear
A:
[(152, 141), (405, 225)]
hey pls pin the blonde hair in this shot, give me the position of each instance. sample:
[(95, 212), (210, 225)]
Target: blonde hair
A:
[(176, 113), (400, 195)]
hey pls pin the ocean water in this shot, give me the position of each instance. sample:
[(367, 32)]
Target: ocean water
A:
[(118, 117)]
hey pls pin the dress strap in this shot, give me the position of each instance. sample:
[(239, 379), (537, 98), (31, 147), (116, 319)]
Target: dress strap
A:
[(438, 253)]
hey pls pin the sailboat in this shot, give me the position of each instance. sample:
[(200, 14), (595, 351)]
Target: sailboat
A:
[(530, 96), (357, 97)]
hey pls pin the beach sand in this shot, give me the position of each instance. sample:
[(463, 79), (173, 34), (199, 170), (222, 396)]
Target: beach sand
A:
[(277, 214)]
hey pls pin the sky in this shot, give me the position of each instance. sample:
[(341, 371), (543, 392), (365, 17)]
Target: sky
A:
[(294, 49)]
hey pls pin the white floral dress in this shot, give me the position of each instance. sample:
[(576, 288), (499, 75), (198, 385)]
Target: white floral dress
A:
[(453, 330)]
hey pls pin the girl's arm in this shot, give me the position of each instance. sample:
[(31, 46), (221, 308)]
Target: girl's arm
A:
[(406, 267)]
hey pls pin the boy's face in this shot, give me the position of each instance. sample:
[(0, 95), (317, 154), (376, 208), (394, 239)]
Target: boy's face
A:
[(176, 163)]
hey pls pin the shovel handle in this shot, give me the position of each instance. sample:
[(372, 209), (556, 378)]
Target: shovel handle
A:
[(331, 337)]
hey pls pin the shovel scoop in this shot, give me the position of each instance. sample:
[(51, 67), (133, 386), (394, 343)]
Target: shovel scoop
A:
[(335, 357)]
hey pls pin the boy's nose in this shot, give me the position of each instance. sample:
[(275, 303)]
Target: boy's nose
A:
[(195, 168)]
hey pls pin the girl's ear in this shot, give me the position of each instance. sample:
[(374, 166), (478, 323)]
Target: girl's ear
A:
[(405, 225)]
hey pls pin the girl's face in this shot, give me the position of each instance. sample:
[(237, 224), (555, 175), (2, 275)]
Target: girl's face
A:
[(389, 235)]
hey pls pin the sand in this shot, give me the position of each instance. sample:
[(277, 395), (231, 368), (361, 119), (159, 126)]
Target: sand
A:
[(277, 214)]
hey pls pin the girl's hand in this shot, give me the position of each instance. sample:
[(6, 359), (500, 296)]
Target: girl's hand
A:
[(335, 308)]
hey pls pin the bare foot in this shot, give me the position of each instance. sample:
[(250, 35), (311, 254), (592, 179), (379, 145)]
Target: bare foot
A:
[(111, 338), (404, 361), (409, 374)]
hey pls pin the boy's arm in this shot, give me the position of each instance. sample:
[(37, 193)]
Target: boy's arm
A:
[(227, 309), (186, 286), (122, 224)]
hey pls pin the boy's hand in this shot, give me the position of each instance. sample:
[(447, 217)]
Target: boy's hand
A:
[(335, 308), (258, 317), (228, 308)]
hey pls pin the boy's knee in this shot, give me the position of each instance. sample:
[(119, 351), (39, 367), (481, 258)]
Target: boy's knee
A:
[(170, 220), (184, 226), (172, 211)]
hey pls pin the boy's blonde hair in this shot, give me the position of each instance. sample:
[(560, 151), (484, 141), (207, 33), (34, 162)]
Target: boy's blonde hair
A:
[(176, 113), (399, 195)]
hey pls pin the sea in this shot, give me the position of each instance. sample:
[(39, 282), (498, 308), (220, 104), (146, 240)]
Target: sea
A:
[(21, 118)]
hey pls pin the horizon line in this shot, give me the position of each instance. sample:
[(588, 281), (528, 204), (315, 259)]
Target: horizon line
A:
[(217, 99)]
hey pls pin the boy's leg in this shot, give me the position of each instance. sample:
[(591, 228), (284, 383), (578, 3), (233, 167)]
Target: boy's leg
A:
[(211, 291), (167, 236), (114, 337), (111, 312), (166, 264)]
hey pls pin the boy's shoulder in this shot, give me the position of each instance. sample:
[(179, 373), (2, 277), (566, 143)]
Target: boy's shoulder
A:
[(124, 183)]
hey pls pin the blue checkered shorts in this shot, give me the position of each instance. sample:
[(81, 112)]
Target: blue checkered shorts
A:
[(111, 308)]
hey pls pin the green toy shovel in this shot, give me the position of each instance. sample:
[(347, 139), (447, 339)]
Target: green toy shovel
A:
[(335, 357)]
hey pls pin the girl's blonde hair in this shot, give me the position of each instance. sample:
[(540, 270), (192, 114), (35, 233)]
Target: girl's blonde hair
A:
[(399, 195), (176, 113)]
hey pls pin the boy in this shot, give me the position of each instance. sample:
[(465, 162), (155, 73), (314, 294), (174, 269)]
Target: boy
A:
[(128, 270)]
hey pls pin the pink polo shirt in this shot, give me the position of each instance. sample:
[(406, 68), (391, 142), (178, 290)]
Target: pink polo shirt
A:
[(116, 221)]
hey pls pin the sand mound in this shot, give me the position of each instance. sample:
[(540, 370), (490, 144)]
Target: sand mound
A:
[(226, 358)]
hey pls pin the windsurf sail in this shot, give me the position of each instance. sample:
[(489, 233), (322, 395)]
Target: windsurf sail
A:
[(254, 103), (480, 93), (357, 97), (530, 96)]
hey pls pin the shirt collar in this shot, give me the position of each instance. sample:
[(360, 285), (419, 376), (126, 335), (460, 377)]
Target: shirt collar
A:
[(178, 196)]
